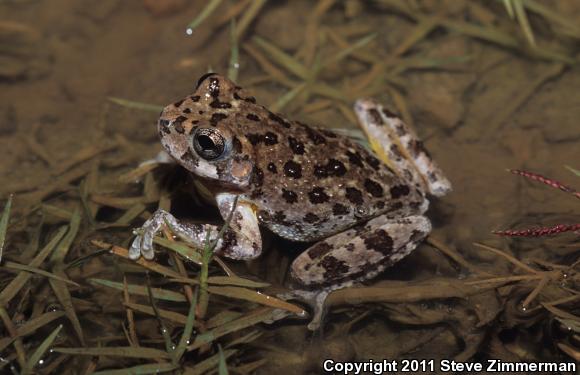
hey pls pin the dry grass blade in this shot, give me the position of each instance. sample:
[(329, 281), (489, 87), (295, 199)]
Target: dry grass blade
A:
[(122, 203), (172, 316), (140, 290), (4, 224), (18, 282), (254, 296), (135, 174), (38, 271), (153, 368), (206, 12), (254, 317), (522, 17), (206, 365), (455, 256), (40, 351), (236, 281), (509, 257), (31, 326), (117, 351), (150, 265), (282, 58), (509, 7), (131, 214), (180, 248), (571, 26), (17, 341), (136, 105), (347, 51)]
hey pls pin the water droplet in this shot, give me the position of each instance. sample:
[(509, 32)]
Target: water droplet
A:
[(189, 31)]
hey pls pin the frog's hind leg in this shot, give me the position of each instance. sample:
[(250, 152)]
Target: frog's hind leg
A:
[(398, 146), (357, 254)]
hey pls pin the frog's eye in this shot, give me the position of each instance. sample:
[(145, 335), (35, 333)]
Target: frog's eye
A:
[(208, 143), (203, 78)]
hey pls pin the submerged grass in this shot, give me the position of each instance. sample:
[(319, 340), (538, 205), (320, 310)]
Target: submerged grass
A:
[(194, 296)]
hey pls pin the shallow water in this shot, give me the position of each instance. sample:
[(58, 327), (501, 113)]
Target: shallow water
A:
[(479, 107)]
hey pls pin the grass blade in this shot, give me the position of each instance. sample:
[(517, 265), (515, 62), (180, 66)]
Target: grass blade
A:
[(222, 366), (158, 293), (182, 345), (41, 350), (136, 105), (282, 58), (18, 282), (234, 65), (117, 351), (4, 224), (206, 12)]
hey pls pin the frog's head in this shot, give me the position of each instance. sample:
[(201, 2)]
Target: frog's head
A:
[(200, 133)]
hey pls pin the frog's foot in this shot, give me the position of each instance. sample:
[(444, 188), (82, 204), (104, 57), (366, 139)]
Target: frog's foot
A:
[(143, 242), (398, 146), (315, 299)]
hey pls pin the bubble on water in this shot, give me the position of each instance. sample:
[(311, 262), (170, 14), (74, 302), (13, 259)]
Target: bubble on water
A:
[(189, 31)]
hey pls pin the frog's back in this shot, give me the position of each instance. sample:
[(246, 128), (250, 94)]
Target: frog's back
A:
[(309, 183)]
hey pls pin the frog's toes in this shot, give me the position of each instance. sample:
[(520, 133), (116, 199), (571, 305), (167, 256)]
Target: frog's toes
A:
[(315, 299)]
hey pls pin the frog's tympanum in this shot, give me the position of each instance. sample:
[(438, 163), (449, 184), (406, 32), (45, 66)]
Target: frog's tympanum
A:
[(363, 211)]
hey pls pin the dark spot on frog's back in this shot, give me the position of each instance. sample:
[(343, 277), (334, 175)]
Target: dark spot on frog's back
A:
[(289, 196), (270, 138), (236, 145), (318, 196), (398, 191), (314, 135), (254, 138), (258, 177), (311, 218), (216, 118), (272, 168), (379, 241), (336, 167), (220, 105), (339, 209), (195, 98), (389, 114), (418, 147), (253, 117), (354, 195), (374, 188), (274, 117), (354, 158), (178, 103), (296, 146), (292, 169), (186, 110), (373, 162)]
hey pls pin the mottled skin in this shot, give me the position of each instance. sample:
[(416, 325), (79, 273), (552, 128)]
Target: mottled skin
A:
[(303, 183)]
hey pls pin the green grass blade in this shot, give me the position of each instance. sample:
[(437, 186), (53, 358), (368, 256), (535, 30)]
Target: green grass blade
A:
[(153, 368), (575, 171), (509, 7), (347, 51), (206, 365), (522, 17), (222, 365), (4, 224), (181, 248), (166, 295), (185, 337), (41, 350), (64, 245), (206, 12), (136, 105), (117, 351)]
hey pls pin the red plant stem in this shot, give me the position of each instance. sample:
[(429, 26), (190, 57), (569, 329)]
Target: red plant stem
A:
[(540, 231), (545, 180)]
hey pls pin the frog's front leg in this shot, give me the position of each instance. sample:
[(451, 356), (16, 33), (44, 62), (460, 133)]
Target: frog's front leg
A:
[(357, 254), (242, 239)]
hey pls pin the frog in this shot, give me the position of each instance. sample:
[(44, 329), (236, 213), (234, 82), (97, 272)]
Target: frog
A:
[(361, 209)]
